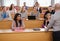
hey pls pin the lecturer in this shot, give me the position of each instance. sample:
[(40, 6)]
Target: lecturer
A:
[(55, 23)]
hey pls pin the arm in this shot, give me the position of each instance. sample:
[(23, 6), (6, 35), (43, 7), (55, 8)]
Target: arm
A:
[(23, 25), (1, 16), (9, 16), (26, 15), (13, 25)]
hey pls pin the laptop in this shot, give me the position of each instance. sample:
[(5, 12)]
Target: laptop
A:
[(31, 17)]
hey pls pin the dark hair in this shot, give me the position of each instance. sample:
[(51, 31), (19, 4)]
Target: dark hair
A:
[(22, 10), (15, 19), (10, 7)]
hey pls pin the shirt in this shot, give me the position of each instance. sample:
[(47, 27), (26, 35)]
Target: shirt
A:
[(55, 21)]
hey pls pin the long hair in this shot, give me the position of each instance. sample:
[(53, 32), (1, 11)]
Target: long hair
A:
[(15, 19), (11, 7), (22, 10)]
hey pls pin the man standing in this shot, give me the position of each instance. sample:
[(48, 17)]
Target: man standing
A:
[(55, 23)]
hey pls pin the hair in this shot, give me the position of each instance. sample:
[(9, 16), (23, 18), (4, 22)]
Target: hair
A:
[(10, 7), (3, 7), (22, 10), (15, 19), (47, 14)]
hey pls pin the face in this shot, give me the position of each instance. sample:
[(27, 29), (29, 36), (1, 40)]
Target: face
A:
[(18, 17), (49, 8), (12, 5), (34, 8), (24, 3), (48, 15), (4, 9)]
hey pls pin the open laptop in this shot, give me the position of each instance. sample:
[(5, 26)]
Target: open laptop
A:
[(31, 17)]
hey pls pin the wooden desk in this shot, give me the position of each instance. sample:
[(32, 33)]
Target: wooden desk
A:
[(26, 36), (33, 23), (5, 24), (28, 24)]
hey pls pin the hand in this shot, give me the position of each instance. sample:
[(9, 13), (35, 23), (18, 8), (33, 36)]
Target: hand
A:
[(46, 29), (22, 28)]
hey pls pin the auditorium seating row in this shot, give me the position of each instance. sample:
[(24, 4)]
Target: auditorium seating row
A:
[(29, 24)]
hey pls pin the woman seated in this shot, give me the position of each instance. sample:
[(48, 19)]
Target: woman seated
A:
[(46, 21), (17, 22), (4, 14), (24, 13), (12, 9), (35, 13), (50, 10), (38, 8)]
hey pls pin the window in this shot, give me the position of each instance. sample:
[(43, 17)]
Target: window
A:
[(9, 2), (57, 1), (44, 3), (28, 2)]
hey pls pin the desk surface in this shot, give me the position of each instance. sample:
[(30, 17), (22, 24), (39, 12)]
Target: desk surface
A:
[(26, 35), (23, 31)]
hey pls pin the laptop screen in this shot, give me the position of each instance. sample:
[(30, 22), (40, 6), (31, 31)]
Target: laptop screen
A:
[(31, 17)]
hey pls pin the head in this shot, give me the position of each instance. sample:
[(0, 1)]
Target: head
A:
[(48, 16), (57, 6), (11, 7), (36, 4), (24, 3), (17, 17), (34, 8), (4, 9), (50, 8)]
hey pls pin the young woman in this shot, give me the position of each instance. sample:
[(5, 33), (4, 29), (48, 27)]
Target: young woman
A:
[(4, 14), (17, 23), (24, 13), (50, 10), (48, 17), (35, 13), (38, 8), (12, 9)]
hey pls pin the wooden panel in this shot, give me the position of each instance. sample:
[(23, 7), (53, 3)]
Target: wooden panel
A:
[(41, 15), (28, 24), (5, 24), (33, 23), (26, 36)]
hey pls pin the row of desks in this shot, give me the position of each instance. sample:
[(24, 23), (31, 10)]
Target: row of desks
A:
[(27, 35), (28, 24)]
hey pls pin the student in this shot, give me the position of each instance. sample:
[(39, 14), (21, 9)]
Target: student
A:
[(24, 6), (24, 13), (46, 21), (50, 10), (38, 8), (4, 14), (35, 13), (12, 9), (17, 22)]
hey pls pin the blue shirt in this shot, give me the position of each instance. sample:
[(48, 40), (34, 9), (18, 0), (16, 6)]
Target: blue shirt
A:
[(4, 15)]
